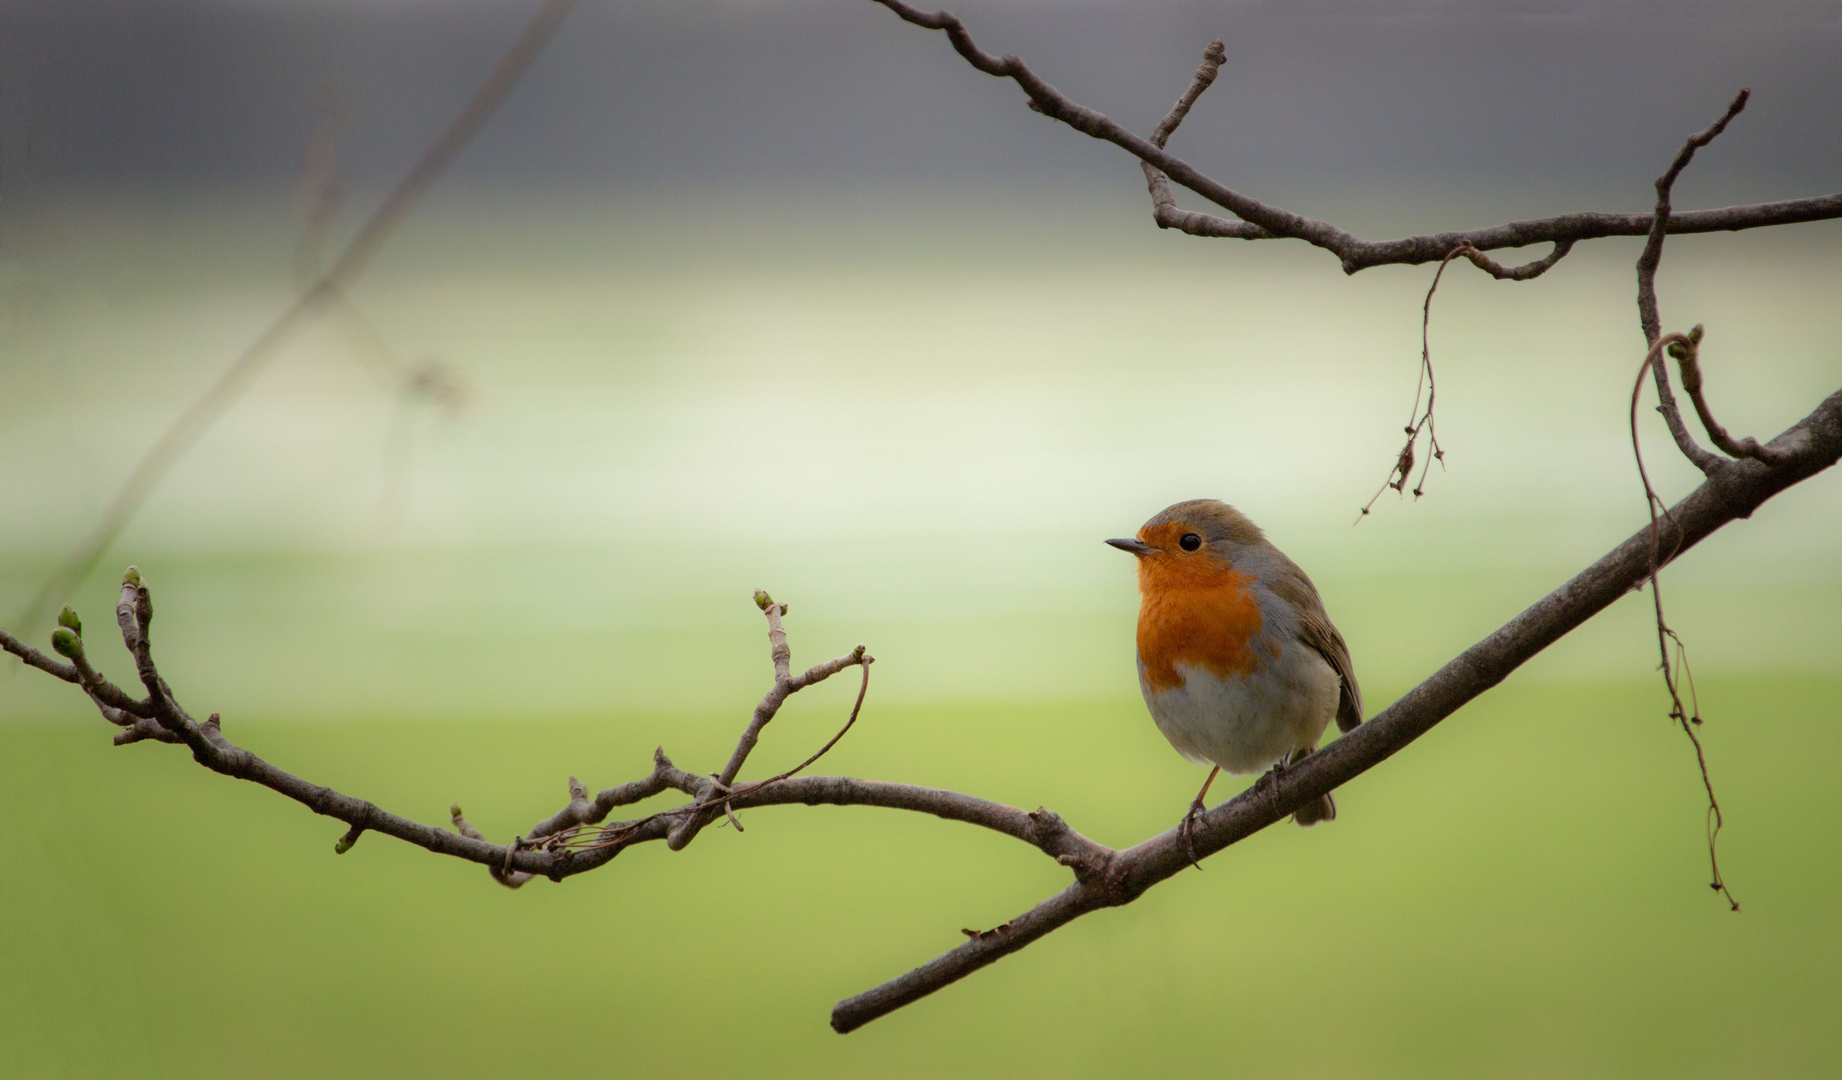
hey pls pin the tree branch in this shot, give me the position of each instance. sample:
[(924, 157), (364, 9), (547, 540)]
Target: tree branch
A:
[(546, 851), (1259, 221)]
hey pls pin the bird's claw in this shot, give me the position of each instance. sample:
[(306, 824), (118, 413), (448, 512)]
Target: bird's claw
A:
[(1187, 829)]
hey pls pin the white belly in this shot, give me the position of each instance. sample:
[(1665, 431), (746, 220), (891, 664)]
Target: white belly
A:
[(1246, 724)]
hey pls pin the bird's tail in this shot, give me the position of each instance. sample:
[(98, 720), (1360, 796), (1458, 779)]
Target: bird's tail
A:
[(1323, 808)]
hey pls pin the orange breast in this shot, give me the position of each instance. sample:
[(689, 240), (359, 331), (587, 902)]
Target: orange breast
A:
[(1201, 615)]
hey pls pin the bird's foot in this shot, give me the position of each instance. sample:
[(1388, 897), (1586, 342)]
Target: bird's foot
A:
[(1187, 827), (1187, 830), (1270, 780)]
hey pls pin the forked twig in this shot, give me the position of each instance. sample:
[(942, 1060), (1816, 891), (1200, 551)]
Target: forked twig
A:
[(578, 838), (1647, 314), (1164, 209)]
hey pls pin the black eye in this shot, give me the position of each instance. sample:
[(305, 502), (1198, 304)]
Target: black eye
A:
[(1190, 542)]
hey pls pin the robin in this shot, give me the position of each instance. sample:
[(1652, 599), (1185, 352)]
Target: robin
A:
[(1239, 664)]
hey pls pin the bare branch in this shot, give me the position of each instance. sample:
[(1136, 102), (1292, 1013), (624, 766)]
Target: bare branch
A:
[(309, 306), (1260, 221)]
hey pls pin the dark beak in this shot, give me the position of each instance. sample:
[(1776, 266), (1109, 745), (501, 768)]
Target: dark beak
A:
[(1136, 547)]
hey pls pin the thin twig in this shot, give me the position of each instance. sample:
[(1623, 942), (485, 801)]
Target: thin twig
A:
[(204, 410), (1688, 719), (1164, 209), (1688, 361), (1418, 420), (1684, 347)]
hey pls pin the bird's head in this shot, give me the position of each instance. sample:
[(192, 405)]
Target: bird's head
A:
[(1194, 542)]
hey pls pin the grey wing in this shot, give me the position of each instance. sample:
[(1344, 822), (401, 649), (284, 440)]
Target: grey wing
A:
[(1316, 630), (1322, 636)]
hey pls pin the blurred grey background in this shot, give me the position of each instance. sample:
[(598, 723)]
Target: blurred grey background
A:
[(1565, 97)]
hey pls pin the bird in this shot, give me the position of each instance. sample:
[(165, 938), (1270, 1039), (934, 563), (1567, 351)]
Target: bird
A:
[(1239, 664)]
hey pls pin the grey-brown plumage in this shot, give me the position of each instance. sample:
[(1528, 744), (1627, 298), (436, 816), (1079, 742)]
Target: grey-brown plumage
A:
[(1224, 713)]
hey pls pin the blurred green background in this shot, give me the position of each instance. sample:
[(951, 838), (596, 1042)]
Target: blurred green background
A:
[(913, 412), (917, 435)]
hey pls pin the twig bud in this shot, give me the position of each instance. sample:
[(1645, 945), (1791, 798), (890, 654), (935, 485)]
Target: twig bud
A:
[(68, 618), (1696, 334), (132, 577), (346, 842), (762, 599), (67, 643)]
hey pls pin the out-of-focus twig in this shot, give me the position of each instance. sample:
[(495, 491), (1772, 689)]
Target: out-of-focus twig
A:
[(314, 301)]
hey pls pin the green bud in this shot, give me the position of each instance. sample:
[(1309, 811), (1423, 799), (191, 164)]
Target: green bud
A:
[(69, 619), (1695, 334), (67, 643), (762, 599), (1678, 350), (132, 577)]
